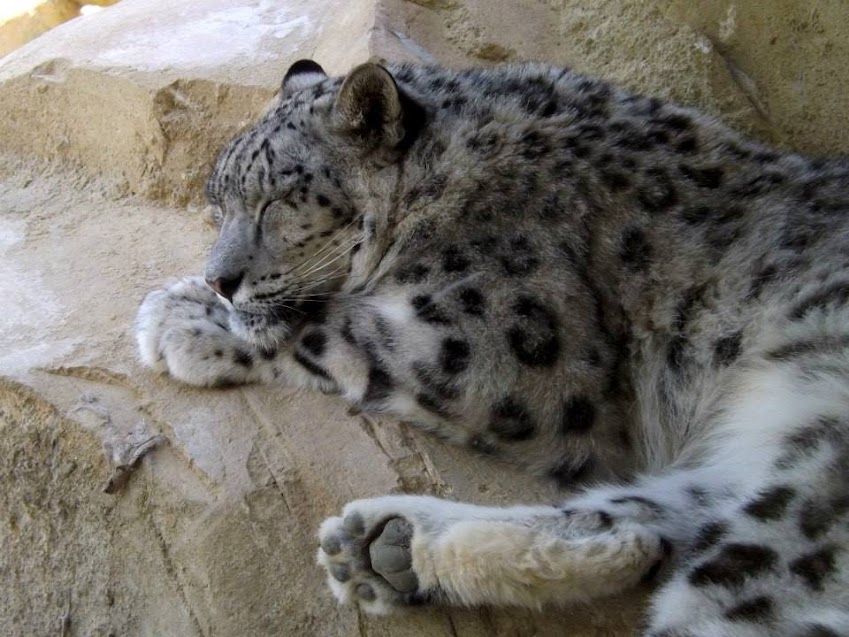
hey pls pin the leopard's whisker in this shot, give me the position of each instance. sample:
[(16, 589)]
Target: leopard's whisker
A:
[(321, 281), (337, 252), (327, 245)]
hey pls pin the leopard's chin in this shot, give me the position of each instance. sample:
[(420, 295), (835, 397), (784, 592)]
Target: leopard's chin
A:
[(271, 329), (264, 331)]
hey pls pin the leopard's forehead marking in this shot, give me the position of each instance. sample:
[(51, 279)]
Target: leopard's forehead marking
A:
[(252, 161)]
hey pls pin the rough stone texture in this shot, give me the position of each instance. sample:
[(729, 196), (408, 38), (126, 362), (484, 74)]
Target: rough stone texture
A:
[(23, 20), (170, 82), (108, 121), (776, 70)]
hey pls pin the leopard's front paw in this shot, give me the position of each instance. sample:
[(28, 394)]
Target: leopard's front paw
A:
[(183, 329)]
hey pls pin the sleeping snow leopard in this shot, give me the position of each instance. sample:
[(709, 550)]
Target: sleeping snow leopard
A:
[(605, 288)]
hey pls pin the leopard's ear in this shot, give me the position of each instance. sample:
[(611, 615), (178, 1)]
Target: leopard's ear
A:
[(301, 74), (370, 107)]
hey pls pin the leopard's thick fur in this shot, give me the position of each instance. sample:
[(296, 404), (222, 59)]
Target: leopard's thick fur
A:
[(557, 273)]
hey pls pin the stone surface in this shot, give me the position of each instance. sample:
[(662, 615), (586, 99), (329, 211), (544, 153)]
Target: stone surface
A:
[(776, 70), (23, 20), (110, 123)]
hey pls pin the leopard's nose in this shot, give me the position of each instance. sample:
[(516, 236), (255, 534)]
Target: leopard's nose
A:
[(226, 287)]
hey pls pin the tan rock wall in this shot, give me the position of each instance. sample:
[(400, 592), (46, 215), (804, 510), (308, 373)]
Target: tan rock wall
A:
[(23, 20), (775, 69), (27, 22)]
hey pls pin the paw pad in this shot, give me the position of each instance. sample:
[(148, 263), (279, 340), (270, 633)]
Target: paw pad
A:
[(369, 562), (366, 593), (354, 524), (391, 558)]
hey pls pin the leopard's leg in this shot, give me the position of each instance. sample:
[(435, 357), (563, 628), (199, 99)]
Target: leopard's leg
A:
[(773, 557), (771, 564), (386, 553)]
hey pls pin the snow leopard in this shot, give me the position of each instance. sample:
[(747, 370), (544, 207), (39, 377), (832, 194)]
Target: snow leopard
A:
[(610, 290)]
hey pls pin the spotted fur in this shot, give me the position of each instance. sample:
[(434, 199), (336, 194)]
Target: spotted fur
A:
[(593, 284)]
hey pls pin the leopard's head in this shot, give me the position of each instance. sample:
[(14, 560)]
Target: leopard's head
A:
[(292, 196)]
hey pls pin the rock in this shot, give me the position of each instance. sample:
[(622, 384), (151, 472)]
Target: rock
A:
[(111, 122), (23, 20)]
